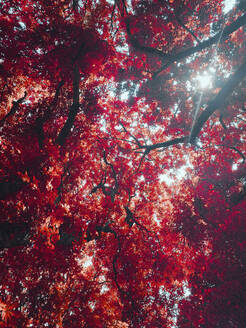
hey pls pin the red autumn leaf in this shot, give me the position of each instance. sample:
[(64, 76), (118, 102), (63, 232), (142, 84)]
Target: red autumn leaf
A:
[(122, 164)]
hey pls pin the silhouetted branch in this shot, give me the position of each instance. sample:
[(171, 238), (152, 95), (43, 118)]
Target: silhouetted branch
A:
[(41, 120), (218, 101), (137, 141), (164, 144), (175, 57), (148, 148), (241, 119), (13, 109), (240, 153), (131, 219), (73, 109), (207, 43), (222, 122), (114, 190), (61, 185), (100, 185), (148, 50), (187, 29)]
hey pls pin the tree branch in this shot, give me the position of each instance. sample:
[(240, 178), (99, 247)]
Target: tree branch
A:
[(13, 109), (187, 29), (207, 43), (165, 144), (41, 120), (137, 141), (175, 57), (114, 190), (222, 122), (240, 153), (218, 101), (61, 185), (145, 49), (73, 109)]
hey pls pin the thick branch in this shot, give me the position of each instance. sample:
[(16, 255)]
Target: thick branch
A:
[(145, 49), (207, 43), (73, 109), (187, 29), (164, 144), (171, 58), (218, 101)]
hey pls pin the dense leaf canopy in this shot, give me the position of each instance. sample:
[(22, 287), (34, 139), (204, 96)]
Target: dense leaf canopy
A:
[(122, 165)]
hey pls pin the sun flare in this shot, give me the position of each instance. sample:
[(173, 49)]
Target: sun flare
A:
[(204, 80)]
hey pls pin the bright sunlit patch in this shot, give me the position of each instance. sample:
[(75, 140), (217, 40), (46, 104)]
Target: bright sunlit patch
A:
[(124, 96), (204, 80), (103, 124), (228, 5), (175, 175)]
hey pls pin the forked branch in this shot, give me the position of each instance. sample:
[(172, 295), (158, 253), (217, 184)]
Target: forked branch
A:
[(176, 57)]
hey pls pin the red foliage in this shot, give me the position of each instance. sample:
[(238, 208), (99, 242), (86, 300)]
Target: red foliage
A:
[(122, 181)]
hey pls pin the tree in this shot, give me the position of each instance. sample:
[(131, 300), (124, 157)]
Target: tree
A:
[(123, 176)]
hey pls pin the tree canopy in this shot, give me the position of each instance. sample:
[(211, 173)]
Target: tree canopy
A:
[(122, 165)]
